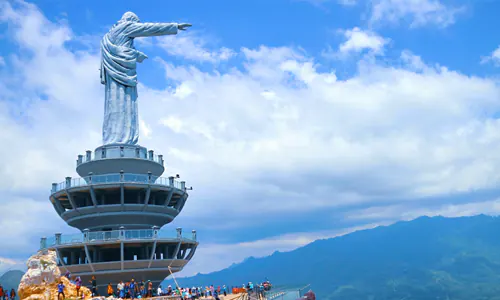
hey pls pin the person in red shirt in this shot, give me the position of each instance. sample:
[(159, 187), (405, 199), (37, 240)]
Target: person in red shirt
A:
[(310, 295), (1, 291)]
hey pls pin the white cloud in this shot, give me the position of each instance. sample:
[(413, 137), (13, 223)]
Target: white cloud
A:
[(358, 41), (192, 46), (277, 132), (418, 12), (2, 61), (7, 264), (414, 62), (144, 129), (406, 212), (24, 221), (494, 57)]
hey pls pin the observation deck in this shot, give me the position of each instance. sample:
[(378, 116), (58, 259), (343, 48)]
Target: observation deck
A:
[(116, 157), (145, 254), (120, 203), (105, 202)]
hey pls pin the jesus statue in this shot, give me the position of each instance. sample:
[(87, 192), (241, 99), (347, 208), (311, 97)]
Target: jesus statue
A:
[(118, 73)]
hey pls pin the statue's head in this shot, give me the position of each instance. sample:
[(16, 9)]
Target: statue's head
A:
[(129, 17)]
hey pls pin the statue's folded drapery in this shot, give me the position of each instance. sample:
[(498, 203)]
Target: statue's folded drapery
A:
[(118, 62), (118, 73)]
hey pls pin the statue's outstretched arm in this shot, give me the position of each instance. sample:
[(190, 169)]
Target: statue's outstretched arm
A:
[(151, 29)]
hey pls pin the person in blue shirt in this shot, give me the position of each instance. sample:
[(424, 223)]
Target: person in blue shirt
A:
[(127, 289), (60, 290), (132, 289)]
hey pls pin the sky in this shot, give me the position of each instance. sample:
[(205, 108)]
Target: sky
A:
[(292, 120)]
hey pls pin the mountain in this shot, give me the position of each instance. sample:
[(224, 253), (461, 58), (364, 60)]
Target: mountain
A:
[(11, 279), (427, 258)]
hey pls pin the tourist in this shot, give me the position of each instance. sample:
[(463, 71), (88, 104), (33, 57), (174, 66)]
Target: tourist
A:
[(94, 286), (12, 294), (1, 291), (127, 289), (142, 291), (110, 290), (133, 289), (159, 292), (224, 290), (310, 295), (60, 290), (150, 289), (119, 289), (78, 283)]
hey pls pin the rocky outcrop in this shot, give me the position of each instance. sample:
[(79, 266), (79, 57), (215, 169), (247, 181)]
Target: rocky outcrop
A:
[(42, 277)]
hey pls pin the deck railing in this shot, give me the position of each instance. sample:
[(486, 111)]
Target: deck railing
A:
[(117, 178), (90, 156), (114, 235)]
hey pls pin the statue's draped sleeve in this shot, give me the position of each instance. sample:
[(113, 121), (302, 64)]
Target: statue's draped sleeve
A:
[(151, 29), (120, 62)]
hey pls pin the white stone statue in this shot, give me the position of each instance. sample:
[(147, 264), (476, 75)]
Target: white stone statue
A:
[(118, 74)]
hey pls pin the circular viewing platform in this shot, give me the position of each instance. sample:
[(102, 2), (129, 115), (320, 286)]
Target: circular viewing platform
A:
[(106, 202), (123, 235), (116, 157), (120, 177), (111, 256)]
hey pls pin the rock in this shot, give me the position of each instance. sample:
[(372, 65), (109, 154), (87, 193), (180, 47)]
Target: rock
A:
[(42, 277)]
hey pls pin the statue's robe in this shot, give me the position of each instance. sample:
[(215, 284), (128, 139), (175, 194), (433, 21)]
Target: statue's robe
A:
[(118, 74)]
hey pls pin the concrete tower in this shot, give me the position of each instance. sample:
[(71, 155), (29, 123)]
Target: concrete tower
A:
[(119, 204)]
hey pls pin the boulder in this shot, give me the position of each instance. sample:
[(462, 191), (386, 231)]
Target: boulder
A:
[(42, 277)]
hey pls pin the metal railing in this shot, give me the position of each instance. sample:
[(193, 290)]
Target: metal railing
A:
[(304, 290), (286, 293), (114, 235), (117, 178), (115, 153)]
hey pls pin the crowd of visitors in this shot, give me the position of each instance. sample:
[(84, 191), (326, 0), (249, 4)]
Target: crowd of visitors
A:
[(5, 294), (144, 289)]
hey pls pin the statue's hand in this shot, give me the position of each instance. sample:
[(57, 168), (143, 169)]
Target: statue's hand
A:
[(141, 56), (183, 26)]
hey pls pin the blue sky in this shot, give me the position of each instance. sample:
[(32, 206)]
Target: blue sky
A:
[(292, 120)]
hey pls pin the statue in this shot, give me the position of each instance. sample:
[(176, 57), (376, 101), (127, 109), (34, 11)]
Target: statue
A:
[(118, 74)]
